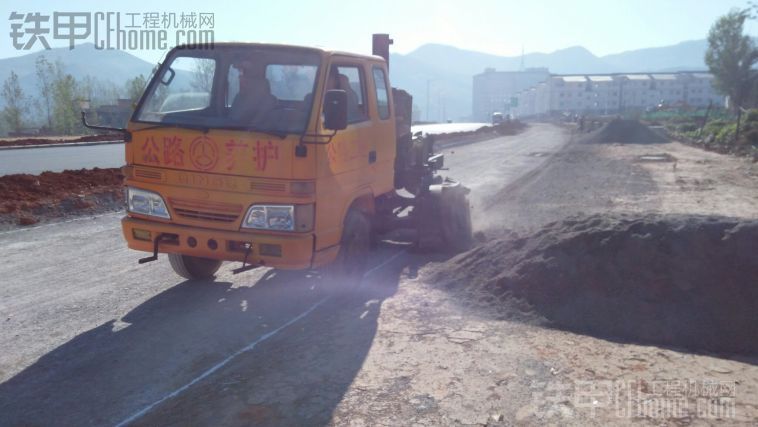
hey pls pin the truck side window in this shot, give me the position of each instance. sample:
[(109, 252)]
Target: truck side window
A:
[(349, 79), (382, 96)]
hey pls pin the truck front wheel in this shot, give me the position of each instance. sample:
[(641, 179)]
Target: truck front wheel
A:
[(347, 270), (194, 268)]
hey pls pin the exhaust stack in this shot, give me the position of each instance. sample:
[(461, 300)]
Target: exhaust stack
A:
[(381, 46)]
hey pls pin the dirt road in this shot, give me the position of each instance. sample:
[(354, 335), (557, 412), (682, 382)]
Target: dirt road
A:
[(91, 338)]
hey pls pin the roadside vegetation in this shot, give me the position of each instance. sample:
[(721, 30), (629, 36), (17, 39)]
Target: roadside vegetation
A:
[(55, 109), (732, 57), (715, 130)]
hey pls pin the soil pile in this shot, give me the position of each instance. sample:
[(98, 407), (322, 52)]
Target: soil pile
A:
[(27, 198), (666, 280), (624, 132), (510, 127)]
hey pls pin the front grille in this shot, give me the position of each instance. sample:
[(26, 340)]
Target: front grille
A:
[(210, 216), (148, 174), (268, 186), (204, 210)]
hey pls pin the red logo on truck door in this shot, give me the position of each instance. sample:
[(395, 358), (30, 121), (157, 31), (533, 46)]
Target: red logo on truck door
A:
[(203, 153), (173, 153), (263, 152), (151, 151), (234, 149)]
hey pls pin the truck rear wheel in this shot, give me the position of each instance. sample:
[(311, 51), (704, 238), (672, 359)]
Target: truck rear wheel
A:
[(455, 221), (194, 268), (347, 270)]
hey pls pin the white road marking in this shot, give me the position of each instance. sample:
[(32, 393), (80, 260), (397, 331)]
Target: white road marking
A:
[(218, 366), (245, 349)]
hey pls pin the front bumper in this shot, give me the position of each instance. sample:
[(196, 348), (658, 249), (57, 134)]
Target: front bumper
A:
[(280, 251)]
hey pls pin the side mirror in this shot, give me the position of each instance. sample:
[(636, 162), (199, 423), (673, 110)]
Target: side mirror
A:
[(335, 109)]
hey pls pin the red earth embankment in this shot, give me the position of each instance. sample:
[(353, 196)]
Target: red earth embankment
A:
[(27, 199)]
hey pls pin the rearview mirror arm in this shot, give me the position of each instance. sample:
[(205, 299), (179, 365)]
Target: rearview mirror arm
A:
[(96, 127)]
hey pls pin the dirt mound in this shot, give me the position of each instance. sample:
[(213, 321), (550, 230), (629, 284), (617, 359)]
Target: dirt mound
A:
[(667, 280), (624, 132), (27, 198)]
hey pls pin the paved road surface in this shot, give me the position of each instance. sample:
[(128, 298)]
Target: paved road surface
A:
[(90, 337), (57, 159), (436, 128)]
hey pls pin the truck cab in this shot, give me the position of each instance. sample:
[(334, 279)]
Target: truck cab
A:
[(262, 154)]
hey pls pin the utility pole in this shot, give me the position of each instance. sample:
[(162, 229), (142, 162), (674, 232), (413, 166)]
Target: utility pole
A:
[(442, 107), (428, 82)]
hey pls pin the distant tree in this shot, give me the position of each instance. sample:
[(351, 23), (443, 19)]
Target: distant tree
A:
[(99, 92), (731, 56), (108, 92), (86, 87), (202, 74), (87, 90), (16, 104), (135, 87), (66, 119), (45, 72)]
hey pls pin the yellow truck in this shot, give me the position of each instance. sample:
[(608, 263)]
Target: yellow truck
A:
[(283, 156)]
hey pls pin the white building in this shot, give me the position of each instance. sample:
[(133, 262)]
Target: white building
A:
[(613, 93), (493, 90)]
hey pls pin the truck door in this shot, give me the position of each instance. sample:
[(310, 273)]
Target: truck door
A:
[(383, 136), (349, 151)]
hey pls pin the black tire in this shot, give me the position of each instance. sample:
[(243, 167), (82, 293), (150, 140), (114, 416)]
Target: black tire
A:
[(194, 268), (455, 222), (346, 272)]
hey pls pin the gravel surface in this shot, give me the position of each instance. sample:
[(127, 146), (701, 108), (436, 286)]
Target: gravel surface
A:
[(92, 338)]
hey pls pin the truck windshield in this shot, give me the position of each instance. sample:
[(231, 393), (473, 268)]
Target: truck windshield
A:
[(253, 88)]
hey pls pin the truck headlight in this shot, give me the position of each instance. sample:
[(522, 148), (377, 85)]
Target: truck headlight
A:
[(279, 217), (146, 203)]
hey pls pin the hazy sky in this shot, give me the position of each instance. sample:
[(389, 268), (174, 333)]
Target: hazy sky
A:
[(499, 27)]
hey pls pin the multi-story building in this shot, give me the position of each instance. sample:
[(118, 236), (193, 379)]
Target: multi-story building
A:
[(613, 93), (493, 90)]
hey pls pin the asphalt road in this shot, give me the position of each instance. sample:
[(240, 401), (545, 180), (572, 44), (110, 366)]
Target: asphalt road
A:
[(57, 159), (437, 128), (92, 338)]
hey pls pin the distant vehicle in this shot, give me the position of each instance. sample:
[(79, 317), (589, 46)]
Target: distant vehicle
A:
[(497, 118)]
